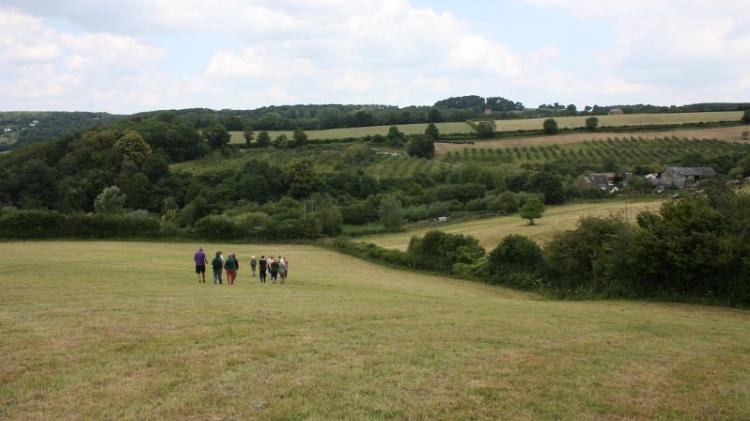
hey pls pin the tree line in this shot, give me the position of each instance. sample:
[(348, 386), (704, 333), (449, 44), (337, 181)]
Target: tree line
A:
[(696, 248)]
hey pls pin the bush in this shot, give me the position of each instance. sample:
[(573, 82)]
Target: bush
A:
[(746, 116), (592, 123), (571, 255), (440, 251), (31, 224), (294, 229), (461, 192), (516, 261), (372, 252), (111, 226), (505, 203), (550, 126), (219, 227)]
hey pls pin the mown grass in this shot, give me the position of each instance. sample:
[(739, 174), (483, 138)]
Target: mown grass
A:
[(518, 124), (489, 231), (102, 330)]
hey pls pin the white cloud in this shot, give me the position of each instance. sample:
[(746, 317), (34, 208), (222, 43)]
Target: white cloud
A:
[(44, 68), (247, 53), (669, 50)]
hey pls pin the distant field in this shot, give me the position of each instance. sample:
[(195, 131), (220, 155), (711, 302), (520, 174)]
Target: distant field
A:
[(110, 330), (489, 231), (237, 137), (728, 134), (630, 151), (521, 124)]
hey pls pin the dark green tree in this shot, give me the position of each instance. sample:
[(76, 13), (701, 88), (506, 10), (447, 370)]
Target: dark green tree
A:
[(550, 126), (516, 260), (485, 129), (264, 139), (216, 135), (592, 123), (422, 147), (248, 135), (432, 131), (532, 209), (391, 213), (434, 115), (746, 116), (299, 137)]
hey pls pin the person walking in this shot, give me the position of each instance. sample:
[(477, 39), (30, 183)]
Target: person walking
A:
[(262, 267), (200, 265), (253, 264), (283, 270), (274, 270), (232, 265), (217, 264)]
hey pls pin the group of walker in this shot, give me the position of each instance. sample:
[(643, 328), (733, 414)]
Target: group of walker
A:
[(276, 268)]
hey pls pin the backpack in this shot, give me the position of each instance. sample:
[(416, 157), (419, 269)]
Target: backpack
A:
[(216, 263)]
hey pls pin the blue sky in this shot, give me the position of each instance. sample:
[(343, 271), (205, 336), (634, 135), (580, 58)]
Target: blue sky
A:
[(142, 55)]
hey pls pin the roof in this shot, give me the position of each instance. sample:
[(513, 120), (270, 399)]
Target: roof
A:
[(602, 179), (691, 171)]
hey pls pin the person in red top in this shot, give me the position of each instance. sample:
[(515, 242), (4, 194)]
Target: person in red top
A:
[(200, 265)]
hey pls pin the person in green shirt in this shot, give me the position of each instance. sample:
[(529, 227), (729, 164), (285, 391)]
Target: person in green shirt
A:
[(232, 265)]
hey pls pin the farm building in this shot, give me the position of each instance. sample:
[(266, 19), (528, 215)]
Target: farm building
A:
[(615, 111), (684, 176), (607, 181)]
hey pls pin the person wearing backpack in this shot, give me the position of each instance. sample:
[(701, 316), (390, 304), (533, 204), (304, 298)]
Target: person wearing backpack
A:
[(283, 270), (253, 264), (217, 264), (232, 265), (262, 266), (274, 269)]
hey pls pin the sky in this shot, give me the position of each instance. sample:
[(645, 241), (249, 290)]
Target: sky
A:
[(140, 55)]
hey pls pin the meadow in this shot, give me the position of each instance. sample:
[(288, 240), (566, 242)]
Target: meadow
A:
[(489, 231), (108, 330), (512, 125)]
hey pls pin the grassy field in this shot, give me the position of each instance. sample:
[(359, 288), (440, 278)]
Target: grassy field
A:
[(489, 231), (121, 330), (519, 124)]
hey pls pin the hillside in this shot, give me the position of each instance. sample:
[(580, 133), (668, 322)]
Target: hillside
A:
[(522, 124), (21, 128), (489, 231), (122, 330)]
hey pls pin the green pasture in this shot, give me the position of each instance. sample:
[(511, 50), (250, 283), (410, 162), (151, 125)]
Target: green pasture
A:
[(519, 124), (113, 330), (489, 231)]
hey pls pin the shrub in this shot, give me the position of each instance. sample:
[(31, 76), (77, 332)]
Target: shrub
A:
[(111, 226), (571, 255), (391, 213), (505, 203), (592, 123), (461, 192), (298, 228), (31, 224), (219, 227), (746, 116), (440, 251), (550, 126), (110, 201), (517, 261)]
